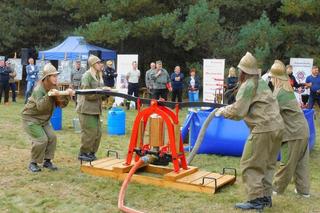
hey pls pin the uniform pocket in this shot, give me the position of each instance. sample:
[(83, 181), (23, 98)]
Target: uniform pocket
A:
[(248, 149), (35, 130)]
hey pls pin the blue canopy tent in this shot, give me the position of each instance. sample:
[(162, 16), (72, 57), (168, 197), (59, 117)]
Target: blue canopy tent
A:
[(75, 48)]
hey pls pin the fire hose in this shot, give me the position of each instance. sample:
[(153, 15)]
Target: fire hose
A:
[(143, 160), (201, 136), (111, 92)]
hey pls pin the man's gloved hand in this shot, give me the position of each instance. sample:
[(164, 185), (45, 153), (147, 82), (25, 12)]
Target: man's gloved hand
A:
[(219, 112)]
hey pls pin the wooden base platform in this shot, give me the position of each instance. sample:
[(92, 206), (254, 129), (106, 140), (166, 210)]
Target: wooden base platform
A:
[(188, 180)]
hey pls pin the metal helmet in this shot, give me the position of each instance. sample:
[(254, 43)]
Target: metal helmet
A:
[(278, 70), (48, 69), (248, 64), (93, 60)]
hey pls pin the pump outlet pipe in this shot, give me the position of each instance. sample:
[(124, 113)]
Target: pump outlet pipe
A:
[(201, 136)]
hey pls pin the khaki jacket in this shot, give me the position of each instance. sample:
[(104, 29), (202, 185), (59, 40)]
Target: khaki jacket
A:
[(296, 125), (40, 106), (260, 112), (90, 104)]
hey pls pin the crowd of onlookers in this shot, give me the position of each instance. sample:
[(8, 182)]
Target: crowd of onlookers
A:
[(7, 75), (159, 82)]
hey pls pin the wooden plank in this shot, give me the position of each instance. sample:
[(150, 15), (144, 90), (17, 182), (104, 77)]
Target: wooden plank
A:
[(193, 177), (97, 161), (182, 173), (147, 180), (190, 180), (225, 179), (123, 168), (206, 181), (99, 172), (108, 164), (158, 169)]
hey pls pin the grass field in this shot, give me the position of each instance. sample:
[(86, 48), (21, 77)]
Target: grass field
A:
[(69, 190)]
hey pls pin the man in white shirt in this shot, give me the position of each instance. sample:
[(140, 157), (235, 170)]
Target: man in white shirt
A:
[(133, 80)]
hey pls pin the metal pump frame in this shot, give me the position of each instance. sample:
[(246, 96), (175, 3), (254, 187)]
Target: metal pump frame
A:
[(170, 118)]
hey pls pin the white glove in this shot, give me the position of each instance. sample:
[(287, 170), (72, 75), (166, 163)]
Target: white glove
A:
[(219, 112)]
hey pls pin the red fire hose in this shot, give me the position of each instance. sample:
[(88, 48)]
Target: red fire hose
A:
[(122, 193)]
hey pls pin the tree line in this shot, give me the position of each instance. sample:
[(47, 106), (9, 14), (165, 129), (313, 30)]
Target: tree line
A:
[(179, 32)]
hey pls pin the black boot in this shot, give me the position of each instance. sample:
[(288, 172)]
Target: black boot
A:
[(48, 164), (267, 201), (257, 203), (85, 157), (33, 167), (92, 156)]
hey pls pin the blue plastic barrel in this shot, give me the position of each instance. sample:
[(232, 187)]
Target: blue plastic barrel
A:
[(309, 115), (116, 121), (56, 119), (228, 137)]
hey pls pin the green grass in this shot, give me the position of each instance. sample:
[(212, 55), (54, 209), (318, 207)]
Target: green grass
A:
[(69, 190)]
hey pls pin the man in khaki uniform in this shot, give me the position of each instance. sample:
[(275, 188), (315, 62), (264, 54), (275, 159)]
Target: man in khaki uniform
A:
[(256, 105), (295, 151), (89, 110), (36, 115)]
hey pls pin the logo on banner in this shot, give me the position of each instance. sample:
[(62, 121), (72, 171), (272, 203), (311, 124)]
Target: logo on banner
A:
[(301, 75)]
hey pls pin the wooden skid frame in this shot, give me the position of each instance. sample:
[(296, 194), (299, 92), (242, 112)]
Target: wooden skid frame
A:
[(188, 180)]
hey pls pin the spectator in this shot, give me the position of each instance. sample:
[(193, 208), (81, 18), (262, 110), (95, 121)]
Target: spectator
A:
[(12, 83), (36, 119), (76, 75), (193, 82), (292, 79), (148, 80), (161, 80), (232, 82), (295, 151), (177, 84), (313, 82), (256, 105), (89, 110), (109, 75), (32, 77), (133, 80), (109, 78), (4, 81)]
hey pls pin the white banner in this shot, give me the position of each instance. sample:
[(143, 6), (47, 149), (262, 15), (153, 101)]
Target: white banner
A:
[(213, 79), (301, 68), (124, 65)]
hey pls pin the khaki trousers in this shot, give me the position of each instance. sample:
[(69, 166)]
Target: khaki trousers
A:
[(259, 161), (43, 140), (90, 132), (294, 164)]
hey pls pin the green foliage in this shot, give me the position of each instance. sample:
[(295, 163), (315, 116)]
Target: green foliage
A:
[(299, 8), (200, 26), (175, 31), (260, 37), (106, 30)]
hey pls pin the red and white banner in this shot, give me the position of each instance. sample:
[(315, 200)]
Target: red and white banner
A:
[(213, 80)]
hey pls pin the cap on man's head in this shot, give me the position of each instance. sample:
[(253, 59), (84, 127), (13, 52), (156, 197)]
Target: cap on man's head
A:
[(159, 62), (2, 58)]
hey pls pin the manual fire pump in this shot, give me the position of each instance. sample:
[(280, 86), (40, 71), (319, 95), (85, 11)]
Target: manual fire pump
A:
[(172, 151)]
